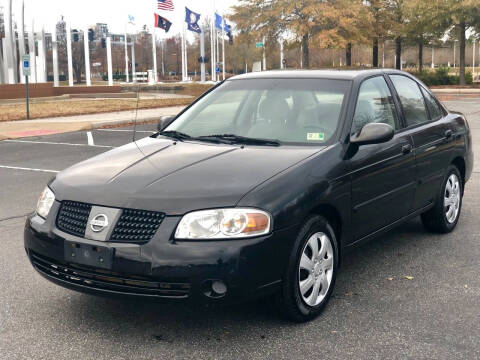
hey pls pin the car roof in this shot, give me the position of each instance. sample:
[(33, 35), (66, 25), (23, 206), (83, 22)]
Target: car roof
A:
[(315, 74)]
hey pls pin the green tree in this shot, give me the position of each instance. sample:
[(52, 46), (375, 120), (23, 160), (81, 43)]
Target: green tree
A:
[(426, 22), (309, 20), (463, 15), (377, 24)]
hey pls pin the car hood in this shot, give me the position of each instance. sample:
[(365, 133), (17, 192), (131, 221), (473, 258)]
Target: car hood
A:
[(175, 178)]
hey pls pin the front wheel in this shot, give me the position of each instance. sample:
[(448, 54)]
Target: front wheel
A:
[(443, 217), (312, 269)]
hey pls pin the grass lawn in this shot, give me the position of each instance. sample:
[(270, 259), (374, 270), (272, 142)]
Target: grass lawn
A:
[(49, 109), (70, 108)]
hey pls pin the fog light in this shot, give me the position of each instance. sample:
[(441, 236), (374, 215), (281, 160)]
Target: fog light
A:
[(219, 287), (214, 289)]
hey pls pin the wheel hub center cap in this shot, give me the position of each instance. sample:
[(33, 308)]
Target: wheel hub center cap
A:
[(318, 269)]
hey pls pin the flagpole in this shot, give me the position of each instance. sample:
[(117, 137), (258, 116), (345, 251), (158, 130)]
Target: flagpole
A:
[(109, 61), (163, 61), (223, 47), (69, 53), (213, 50), (127, 78), (154, 49), (202, 55), (183, 51), (186, 54), (55, 56), (32, 52), (217, 55), (87, 56), (134, 70), (21, 42)]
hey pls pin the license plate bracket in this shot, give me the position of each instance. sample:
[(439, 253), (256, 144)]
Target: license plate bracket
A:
[(89, 255)]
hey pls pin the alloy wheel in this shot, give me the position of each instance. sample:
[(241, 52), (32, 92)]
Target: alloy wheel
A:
[(452, 198), (316, 269)]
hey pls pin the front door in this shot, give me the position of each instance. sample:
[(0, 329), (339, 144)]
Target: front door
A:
[(382, 175)]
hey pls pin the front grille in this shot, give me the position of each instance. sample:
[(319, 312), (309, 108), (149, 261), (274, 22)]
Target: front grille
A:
[(136, 226), (133, 226), (73, 217), (98, 279)]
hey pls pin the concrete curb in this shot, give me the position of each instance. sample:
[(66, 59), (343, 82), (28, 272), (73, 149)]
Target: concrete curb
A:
[(94, 125), (99, 125), (456, 91)]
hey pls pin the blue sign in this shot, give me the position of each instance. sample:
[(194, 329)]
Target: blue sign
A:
[(217, 70), (26, 65)]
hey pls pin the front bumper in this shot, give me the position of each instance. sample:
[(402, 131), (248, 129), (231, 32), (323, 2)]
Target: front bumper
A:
[(164, 268)]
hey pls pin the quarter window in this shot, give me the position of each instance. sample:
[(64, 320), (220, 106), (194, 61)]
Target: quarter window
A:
[(412, 100), (375, 104), (432, 105)]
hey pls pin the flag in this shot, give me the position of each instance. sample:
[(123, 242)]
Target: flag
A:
[(166, 5), (162, 23), (218, 22), (131, 19), (192, 19), (228, 31)]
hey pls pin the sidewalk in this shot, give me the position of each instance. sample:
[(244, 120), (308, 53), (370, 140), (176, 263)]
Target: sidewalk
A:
[(37, 127)]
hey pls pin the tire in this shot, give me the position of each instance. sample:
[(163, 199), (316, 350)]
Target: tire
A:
[(439, 219), (293, 304)]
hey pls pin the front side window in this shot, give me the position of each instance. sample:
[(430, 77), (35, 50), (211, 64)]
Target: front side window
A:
[(375, 104), (432, 105), (412, 100), (297, 111)]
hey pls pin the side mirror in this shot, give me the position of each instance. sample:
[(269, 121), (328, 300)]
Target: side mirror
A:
[(164, 122), (373, 133)]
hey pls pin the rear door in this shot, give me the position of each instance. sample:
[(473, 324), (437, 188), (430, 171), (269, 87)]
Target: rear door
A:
[(382, 175), (432, 137)]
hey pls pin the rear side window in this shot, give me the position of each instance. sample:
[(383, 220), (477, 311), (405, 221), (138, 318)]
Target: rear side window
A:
[(432, 106), (412, 100), (374, 104)]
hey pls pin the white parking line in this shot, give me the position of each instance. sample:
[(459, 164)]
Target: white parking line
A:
[(90, 138), (124, 130), (28, 169), (56, 143)]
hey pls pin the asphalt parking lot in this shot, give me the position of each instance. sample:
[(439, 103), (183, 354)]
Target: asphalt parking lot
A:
[(409, 294)]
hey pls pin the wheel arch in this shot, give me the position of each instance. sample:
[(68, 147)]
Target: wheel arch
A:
[(335, 219), (459, 163)]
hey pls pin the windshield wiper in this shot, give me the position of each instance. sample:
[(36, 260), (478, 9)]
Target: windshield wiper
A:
[(177, 135), (237, 139)]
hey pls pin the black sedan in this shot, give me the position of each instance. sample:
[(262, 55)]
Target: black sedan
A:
[(258, 188)]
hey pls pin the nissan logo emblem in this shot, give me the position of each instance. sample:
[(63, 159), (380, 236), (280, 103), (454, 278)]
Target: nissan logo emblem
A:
[(99, 223)]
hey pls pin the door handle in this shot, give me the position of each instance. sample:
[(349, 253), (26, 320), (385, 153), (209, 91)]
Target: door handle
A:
[(448, 134), (406, 149)]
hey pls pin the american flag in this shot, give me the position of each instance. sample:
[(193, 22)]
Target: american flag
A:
[(166, 5)]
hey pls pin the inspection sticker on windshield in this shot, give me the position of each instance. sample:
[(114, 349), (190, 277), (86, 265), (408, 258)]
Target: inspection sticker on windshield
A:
[(315, 136)]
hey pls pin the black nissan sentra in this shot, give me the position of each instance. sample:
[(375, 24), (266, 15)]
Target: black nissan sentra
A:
[(258, 188)]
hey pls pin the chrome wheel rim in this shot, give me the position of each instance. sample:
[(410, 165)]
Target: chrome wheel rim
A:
[(451, 200), (315, 269)]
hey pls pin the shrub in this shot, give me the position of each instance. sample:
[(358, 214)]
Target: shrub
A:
[(441, 76)]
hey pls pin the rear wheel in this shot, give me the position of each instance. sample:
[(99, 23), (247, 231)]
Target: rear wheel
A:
[(443, 217), (310, 277)]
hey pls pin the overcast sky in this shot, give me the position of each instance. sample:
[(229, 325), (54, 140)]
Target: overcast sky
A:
[(113, 12)]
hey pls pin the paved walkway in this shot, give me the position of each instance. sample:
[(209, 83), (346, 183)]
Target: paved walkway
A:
[(37, 127)]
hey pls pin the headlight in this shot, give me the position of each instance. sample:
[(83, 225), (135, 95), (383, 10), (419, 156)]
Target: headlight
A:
[(45, 202), (223, 223)]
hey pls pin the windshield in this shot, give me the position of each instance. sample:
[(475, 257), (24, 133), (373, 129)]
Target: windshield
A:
[(300, 111)]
